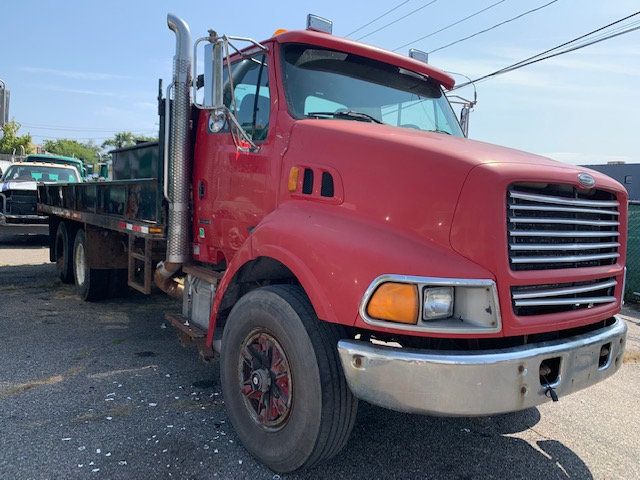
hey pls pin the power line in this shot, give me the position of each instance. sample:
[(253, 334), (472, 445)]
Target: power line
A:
[(571, 49), (547, 53), (450, 25), (588, 34), (538, 58), (493, 26), (397, 19), (378, 18)]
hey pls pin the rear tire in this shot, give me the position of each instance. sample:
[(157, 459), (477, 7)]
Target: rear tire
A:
[(92, 284), (63, 246), (308, 415)]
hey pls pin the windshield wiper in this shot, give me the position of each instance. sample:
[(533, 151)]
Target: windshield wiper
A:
[(437, 130), (350, 114)]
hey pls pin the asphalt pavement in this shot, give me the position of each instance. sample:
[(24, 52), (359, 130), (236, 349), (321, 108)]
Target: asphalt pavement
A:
[(104, 390)]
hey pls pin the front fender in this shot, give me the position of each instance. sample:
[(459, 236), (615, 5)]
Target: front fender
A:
[(336, 255)]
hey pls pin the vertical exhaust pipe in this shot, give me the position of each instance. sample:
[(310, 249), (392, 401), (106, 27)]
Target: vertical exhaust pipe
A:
[(179, 177)]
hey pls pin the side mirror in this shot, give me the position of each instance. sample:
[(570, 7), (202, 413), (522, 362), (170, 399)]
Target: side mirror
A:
[(464, 119), (213, 73)]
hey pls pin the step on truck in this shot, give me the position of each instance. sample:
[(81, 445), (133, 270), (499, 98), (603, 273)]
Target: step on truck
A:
[(334, 236)]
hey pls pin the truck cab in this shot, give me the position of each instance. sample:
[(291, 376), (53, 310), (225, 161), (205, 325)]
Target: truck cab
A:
[(475, 279), (59, 160)]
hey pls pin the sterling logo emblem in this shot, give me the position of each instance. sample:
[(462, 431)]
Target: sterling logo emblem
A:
[(586, 180)]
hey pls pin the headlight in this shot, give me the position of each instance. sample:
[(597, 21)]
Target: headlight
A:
[(443, 305), (438, 303)]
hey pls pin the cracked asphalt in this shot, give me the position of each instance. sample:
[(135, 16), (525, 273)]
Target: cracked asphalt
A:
[(104, 390)]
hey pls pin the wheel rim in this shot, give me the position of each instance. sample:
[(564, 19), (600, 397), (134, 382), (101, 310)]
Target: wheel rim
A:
[(265, 380), (79, 264)]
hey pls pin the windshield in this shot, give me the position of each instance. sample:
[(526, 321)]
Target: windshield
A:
[(35, 173), (321, 83)]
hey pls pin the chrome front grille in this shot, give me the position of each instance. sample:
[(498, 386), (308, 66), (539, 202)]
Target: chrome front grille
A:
[(558, 226), (19, 202), (562, 297)]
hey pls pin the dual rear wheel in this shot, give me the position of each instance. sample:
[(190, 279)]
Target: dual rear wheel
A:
[(71, 261)]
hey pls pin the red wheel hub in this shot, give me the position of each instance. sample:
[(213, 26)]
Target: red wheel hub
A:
[(265, 380)]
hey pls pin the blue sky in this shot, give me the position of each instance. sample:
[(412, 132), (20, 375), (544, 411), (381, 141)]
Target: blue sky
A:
[(89, 68)]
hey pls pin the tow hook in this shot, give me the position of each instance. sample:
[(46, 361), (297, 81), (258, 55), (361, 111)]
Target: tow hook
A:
[(549, 391)]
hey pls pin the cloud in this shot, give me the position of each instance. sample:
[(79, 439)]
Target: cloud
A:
[(100, 93), (137, 121), (146, 105), (595, 65), (74, 74), (78, 91)]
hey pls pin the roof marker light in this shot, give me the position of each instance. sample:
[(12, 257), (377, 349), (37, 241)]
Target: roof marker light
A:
[(419, 55), (279, 31), (319, 24)]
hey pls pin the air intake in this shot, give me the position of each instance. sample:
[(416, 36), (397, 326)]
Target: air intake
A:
[(562, 297)]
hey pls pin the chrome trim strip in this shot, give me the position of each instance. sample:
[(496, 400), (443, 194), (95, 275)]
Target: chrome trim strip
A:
[(561, 246), (563, 200), (564, 301), (564, 221), (569, 259), (561, 233), (421, 283), (545, 208), (554, 292), (481, 382)]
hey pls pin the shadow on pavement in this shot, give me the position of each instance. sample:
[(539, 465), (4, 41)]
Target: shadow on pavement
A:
[(397, 445), (22, 241)]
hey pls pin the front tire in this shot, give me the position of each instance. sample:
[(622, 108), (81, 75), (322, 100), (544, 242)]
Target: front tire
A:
[(91, 283), (278, 354)]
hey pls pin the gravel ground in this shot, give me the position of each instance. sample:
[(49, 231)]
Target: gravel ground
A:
[(105, 391)]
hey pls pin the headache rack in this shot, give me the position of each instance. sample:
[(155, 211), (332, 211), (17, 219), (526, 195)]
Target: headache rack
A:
[(555, 226)]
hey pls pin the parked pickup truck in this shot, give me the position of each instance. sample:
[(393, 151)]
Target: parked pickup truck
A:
[(18, 195), (333, 236)]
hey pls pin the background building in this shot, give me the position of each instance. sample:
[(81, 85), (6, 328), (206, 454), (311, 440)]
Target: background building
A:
[(628, 174), (4, 103)]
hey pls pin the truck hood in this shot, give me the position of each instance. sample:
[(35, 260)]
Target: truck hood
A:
[(407, 179), (457, 149), (18, 185)]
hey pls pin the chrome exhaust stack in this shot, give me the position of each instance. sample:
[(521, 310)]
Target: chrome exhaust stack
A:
[(178, 165)]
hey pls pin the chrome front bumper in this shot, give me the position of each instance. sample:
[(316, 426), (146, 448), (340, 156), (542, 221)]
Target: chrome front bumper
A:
[(483, 382)]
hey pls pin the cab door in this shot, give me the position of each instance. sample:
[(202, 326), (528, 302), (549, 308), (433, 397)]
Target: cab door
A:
[(233, 188)]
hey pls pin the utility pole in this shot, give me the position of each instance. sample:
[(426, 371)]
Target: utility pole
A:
[(4, 103)]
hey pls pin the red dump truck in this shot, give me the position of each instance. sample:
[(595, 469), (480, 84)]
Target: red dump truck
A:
[(334, 236)]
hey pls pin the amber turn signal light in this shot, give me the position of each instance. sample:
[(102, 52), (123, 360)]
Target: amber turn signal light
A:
[(292, 184), (395, 302)]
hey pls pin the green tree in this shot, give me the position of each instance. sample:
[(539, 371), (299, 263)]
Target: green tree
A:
[(11, 141), (88, 152), (126, 139)]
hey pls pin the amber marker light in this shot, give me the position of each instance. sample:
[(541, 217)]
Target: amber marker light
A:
[(279, 31), (292, 184), (395, 302)]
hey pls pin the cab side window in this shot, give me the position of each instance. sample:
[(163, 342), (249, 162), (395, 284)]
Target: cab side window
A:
[(251, 91)]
